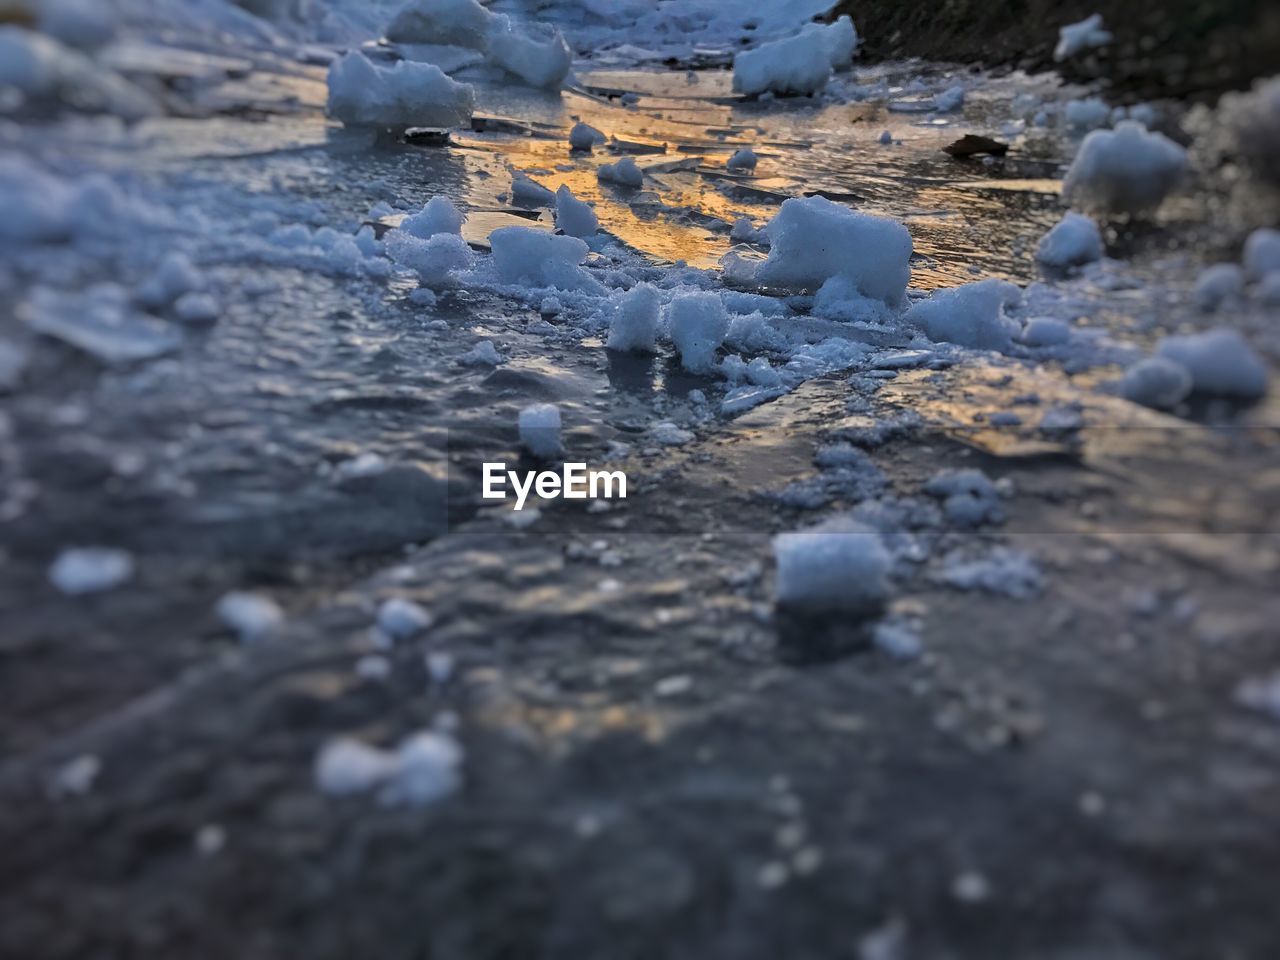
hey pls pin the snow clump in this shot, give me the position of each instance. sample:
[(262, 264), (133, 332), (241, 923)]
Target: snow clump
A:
[(534, 52), (1262, 253), (1219, 284), (1220, 362), (1045, 332), (175, 276), (813, 240), (458, 23), (539, 426), (634, 325), (402, 619), (526, 255), (697, 323), (1156, 382), (84, 24), (528, 192), (796, 65), (436, 260), (407, 94), (972, 315), (422, 769), (483, 354), (969, 498), (438, 216), (1252, 121), (584, 137), (624, 173), (1125, 170), (1073, 242), (1087, 114), (80, 570), (573, 216), (742, 159), (836, 568), (1075, 38), (250, 616)]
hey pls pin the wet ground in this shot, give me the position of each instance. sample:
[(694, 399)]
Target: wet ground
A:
[(656, 764)]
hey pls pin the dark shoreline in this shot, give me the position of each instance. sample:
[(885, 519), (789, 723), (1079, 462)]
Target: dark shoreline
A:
[(1180, 48)]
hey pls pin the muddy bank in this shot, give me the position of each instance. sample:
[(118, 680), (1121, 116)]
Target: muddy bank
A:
[(1174, 49)]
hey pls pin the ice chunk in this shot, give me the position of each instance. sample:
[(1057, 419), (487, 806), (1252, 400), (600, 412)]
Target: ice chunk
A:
[(530, 193), (539, 426), (1075, 38), (403, 619), (459, 23), (634, 325), (1252, 122), (483, 354), (1087, 114), (1125, 170), (836, 568), (1262, 253), (438, 216), (795, 65), (584, 137), (886, 138), (80, 570), (624, 172), (971, 315), (742, 159), (251, 616), (697, 323), (1220, 362), (1218, 284), (1156, 382), (969, 498), (949, 100), (534, 52), (1045, 332), (573, 216), (407, 94), (435, 260), (813, 239), (527, 255), (1073, 241)]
